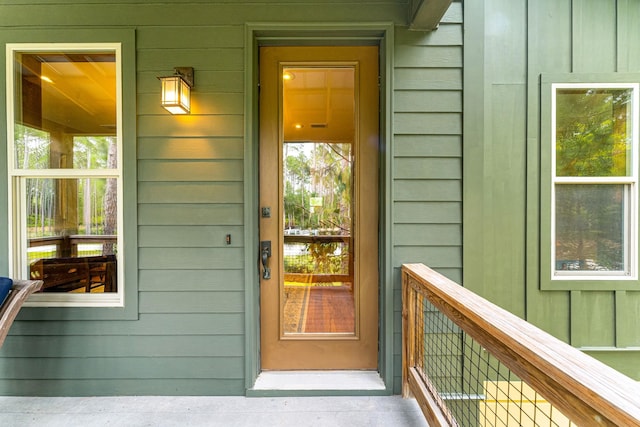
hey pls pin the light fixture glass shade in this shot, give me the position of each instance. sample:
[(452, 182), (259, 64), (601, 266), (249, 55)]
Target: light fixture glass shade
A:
[(176, 95)]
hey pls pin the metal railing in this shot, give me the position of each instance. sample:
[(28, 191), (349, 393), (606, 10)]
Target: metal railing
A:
[(469, 362)]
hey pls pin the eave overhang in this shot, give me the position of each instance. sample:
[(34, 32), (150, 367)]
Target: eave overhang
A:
[(425, 15)]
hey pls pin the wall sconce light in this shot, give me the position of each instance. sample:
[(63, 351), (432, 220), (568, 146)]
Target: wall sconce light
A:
[(176, 90)]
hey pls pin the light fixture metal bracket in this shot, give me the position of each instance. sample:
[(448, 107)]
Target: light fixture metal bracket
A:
[(186, 73)]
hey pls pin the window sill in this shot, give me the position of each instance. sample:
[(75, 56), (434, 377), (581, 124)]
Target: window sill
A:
[(595, 284)]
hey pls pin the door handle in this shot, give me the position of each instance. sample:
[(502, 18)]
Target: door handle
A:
[(265, 254)]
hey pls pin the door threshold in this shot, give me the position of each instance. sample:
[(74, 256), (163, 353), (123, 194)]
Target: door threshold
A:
[(345, 381)]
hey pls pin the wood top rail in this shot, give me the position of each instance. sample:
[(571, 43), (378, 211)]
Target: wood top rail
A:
[(67, 246), (297, 238), (74, 238), (587, 391)]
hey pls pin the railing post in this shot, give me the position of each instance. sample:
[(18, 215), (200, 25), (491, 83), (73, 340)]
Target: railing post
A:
[(65, 249), (408, 333)]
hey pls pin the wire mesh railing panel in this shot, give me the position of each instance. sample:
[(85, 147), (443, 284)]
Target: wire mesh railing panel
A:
[(38, 252), (331, 258), (469, 383), (469, 362)]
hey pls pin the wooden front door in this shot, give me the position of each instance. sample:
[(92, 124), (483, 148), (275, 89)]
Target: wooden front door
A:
[(319, 153)]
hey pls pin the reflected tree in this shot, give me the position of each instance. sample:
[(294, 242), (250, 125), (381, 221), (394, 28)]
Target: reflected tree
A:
[(592, 140)]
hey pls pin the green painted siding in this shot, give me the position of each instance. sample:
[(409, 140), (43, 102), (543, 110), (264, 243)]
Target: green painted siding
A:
[(511, 44), (189, 335), (427, 154)]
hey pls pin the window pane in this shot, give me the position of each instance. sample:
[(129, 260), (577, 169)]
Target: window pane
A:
[(593, 132), (65, 110), (71, 233), (590, 227)]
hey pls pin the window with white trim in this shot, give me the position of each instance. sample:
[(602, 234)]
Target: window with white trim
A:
[(594, 181), (64, 112)]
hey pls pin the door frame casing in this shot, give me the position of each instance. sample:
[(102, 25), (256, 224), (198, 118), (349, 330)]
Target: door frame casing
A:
[(274, 34)]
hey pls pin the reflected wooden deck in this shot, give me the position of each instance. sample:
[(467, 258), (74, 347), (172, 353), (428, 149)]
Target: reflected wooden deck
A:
[(330, 310), (319, 309)]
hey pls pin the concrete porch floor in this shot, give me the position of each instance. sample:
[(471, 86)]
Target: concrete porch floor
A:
[(133, 411)]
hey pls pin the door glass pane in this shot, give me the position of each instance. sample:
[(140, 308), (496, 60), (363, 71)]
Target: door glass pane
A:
[(590, 228), (318, 159)]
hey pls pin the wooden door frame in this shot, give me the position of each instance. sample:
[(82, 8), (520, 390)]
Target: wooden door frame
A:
[(354, 34)]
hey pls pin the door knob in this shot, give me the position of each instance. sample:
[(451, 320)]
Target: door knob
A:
[(265, 254)]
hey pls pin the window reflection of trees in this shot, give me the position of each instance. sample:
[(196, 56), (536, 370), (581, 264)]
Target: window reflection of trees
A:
[(96, 197), (593, 139), (592, 132), (318, 195)]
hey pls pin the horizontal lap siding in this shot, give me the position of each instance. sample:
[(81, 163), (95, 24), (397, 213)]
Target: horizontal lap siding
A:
[(190, 195), (189, 338), (149, 324), (160, 385), (141, 14), (427, 154), (126, 346)]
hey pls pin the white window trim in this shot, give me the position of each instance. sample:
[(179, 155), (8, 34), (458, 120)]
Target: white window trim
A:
[(16, 232), (631, 211)]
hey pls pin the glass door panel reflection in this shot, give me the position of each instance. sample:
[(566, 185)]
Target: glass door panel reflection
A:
[(318, 295)]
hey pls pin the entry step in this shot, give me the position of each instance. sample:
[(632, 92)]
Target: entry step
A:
[(319, 380)]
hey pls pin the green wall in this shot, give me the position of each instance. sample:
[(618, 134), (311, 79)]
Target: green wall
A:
[(427, 155), (189, 334), (511, 43)]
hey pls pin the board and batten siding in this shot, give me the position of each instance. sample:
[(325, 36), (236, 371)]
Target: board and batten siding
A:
[(189, 335), (510, 44), (427, 155)]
